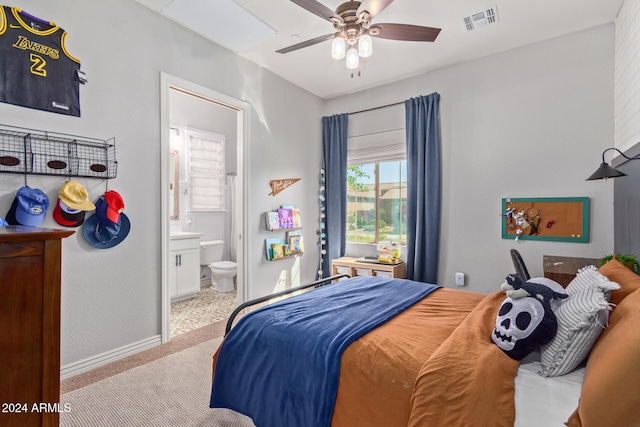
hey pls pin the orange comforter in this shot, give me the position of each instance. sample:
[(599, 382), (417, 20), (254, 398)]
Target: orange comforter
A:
[(432, 365), (421, 369)]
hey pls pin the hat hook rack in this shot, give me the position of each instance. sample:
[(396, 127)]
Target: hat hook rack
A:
[(37, 152)]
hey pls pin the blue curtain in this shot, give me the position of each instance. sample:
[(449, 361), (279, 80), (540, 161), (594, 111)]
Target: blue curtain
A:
[(423, 187), (334, 142)]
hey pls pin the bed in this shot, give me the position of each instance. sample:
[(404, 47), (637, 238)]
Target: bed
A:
[(426, 359)]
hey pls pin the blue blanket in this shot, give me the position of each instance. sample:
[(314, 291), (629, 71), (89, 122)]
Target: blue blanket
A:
[(280, 365)]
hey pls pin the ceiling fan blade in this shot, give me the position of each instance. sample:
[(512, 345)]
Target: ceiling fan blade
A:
[(406, 32), (318, 9), (374, 7), (307, 43)]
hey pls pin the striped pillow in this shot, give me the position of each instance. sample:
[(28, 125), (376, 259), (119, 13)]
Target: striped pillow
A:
[(581, 319)]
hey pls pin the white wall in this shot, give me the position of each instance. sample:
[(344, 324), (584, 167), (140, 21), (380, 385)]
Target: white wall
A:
[(530, 122), (111, 298), (627, 85)]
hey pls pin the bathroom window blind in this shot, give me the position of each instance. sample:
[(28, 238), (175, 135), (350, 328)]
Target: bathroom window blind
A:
[(206, 171)]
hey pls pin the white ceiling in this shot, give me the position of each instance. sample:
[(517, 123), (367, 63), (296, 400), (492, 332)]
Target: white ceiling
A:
[(520, 23)]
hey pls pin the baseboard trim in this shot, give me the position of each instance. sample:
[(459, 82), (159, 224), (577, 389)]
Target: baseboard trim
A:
[(75, 368)]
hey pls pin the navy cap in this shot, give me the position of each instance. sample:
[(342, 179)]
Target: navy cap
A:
[(102, 233)]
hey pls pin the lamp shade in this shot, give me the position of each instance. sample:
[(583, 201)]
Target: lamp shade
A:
[(605, 171), (365, 45), (338, 48), (353, 60)]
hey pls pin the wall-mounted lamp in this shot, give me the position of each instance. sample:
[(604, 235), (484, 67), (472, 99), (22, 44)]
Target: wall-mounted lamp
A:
[(605, 171)]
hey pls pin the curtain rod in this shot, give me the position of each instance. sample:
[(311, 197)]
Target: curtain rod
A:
[(376, 108)]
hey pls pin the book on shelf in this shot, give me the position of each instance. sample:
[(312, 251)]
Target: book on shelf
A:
[(296, 243), (297, 218), (278, 250), (268, 247), (285, 218), (272, 220)]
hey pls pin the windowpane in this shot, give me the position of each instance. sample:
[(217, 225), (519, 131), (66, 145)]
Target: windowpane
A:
[(361, 203), (376, 202), (392, 201)]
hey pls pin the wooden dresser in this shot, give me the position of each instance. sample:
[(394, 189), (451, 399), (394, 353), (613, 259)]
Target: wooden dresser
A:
[(30, 269)]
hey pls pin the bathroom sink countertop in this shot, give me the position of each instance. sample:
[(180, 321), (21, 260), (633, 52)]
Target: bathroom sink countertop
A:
[(184, 235)]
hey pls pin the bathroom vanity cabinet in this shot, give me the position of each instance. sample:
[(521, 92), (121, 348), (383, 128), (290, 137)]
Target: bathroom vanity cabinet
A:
[(184, 275)]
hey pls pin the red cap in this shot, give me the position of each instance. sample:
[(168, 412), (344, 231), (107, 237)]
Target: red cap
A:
[(115, 205)]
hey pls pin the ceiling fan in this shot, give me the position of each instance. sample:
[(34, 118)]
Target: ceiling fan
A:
[(354, 29)]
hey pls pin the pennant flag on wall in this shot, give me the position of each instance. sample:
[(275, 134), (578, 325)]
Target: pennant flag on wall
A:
[(277, 185)]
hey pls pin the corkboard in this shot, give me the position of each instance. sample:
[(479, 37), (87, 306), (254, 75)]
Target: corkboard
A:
[(562, 219)]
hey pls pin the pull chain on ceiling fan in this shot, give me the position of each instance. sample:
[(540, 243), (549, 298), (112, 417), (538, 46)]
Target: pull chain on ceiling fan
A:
[(354, 30)]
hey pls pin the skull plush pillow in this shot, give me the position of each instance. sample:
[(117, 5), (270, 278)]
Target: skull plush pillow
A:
[(522, 325)]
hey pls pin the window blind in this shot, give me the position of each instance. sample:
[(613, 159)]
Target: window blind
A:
[(382, 153), (206, 172), (375, 147)]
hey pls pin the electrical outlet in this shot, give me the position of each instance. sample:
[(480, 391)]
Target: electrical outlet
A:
[(459, 279)]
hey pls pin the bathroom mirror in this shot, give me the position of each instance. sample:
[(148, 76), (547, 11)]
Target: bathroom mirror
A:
[(174, 171)]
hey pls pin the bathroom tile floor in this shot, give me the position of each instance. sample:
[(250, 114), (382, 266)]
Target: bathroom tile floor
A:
[(206, 307)]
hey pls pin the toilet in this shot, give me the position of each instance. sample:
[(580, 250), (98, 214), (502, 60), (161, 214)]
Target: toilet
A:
[(222, 272)]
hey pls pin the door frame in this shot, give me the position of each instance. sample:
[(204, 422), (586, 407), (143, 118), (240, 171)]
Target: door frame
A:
[(242, 109)]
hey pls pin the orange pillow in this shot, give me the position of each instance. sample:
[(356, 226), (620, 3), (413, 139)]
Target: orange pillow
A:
[(627, 279), (609, 395)]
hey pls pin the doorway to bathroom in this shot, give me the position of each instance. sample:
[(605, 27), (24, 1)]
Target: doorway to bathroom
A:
[(191, 109)]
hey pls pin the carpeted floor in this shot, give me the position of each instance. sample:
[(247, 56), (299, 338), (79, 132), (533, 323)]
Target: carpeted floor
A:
[(177, 344), (168, 385), (171, 391)]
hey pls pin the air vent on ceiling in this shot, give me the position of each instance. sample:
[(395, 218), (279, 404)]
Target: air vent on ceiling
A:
[(482, 18)]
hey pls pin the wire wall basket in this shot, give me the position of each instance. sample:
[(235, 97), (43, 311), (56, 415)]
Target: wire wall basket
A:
[(35, 152)]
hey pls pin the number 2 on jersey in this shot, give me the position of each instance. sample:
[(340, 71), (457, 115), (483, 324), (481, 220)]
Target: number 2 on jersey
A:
[(38, 65)]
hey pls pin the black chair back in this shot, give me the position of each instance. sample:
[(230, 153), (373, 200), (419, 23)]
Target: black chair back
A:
[(518, 263)]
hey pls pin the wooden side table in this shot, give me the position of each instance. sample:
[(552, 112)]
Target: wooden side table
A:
[(30, 272), (351, 266)]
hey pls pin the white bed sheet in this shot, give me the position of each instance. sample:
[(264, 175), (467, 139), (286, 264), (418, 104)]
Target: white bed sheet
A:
[(544, 401)]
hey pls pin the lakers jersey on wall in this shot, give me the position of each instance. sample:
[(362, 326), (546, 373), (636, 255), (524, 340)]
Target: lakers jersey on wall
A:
[(36, 71)]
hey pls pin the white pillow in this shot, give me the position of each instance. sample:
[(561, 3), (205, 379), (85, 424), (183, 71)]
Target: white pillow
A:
[(581, 319), (590, 276)]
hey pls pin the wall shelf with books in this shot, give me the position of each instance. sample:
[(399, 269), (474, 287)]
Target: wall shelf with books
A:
[(291, 247), (286, 217)]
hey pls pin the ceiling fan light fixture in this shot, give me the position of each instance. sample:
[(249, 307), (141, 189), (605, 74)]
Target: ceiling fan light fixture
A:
[(365, 45), (353, 30), (338, 48), (353, 59)]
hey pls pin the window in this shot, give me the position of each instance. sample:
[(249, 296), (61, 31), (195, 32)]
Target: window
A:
[(206, 171), (377, 202)]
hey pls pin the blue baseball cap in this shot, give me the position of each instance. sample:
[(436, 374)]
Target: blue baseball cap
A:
[(29, 207)]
